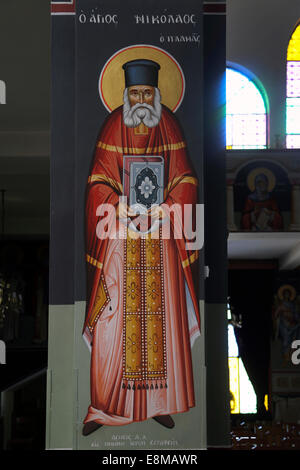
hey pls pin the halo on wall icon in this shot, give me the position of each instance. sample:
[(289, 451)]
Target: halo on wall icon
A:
[(171, 81), (261, 171), (288, 288)]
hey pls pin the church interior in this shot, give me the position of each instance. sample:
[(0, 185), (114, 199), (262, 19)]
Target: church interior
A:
[(262, 165)]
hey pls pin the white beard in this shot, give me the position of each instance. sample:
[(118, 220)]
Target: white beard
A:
[(142, 112)]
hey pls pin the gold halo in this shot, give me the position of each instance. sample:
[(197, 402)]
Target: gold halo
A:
[(288, 287), (171, 82), (257, 171)]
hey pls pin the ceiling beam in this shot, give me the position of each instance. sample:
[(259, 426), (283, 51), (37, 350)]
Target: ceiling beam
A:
[(291, 259)]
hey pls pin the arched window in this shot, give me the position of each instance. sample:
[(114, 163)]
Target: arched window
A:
[(242, 395), (293, 91), (246, 111)]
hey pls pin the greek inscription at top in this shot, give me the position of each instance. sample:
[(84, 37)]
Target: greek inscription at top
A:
[(166, 19), (98, 18)]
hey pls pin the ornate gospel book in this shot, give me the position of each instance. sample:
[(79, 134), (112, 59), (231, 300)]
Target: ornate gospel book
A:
[(143, 180)]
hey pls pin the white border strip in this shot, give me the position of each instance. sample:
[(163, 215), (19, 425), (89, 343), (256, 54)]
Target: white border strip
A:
[(62, 13), (67, 2)]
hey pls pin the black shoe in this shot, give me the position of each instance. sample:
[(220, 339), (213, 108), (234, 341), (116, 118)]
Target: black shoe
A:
[(90, 427), (165, 421)]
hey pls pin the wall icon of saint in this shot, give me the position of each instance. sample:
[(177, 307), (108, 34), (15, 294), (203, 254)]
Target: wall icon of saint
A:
[(261, 211), (142, 311), (286, 318)]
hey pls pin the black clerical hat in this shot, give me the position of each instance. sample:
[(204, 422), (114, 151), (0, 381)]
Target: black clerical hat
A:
[(141, 72)]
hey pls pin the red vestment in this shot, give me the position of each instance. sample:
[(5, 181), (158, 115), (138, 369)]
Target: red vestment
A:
[(255, 219), (112, 402)]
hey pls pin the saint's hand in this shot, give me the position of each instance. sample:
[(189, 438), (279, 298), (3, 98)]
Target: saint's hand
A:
[(124, 211), (156, 212)]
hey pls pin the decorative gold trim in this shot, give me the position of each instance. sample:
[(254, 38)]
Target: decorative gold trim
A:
[(144, 330), (141, 151), (105, 179), (110, 148), (191, 259), (94, 262), (101, 300), (141, 129), (161, 148), (180, 180)]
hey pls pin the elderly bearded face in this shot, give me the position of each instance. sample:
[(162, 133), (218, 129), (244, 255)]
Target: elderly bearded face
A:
[(141, 105)]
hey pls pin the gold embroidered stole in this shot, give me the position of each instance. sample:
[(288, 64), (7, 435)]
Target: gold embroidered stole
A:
[(144, 335)]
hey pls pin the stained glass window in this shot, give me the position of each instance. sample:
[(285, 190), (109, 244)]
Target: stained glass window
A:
[(242, 395), (293, 91), (246, 112)]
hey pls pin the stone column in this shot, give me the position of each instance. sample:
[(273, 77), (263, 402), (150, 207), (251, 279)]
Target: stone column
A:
[(215, 226), (230, 209), (295, 209)]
